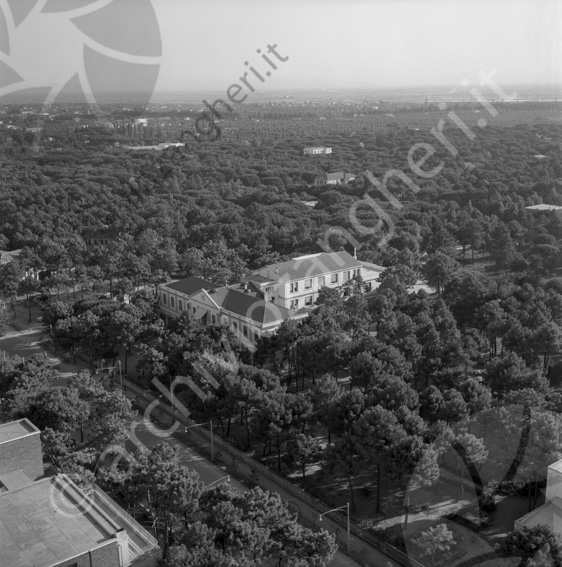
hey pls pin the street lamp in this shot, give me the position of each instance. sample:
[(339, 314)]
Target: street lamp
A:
[(212, 439), (113, 368), (227, 477), (348, 523)]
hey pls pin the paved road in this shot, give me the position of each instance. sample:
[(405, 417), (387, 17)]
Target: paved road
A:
[(29, 340), (150, 434), (146, 433)]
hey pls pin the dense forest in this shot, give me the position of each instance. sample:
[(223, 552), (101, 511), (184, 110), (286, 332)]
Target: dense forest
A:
[(423, 368)]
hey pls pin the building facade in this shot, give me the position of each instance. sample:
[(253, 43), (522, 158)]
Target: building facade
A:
[(20, 449), (264, 299), (242, 307)]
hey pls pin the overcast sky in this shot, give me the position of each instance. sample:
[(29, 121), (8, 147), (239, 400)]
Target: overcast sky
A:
[(328, 43), (333, 43)]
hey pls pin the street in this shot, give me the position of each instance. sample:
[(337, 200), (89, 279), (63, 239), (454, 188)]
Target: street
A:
[(29, 340)]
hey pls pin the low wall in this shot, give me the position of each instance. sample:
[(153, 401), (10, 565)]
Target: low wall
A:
[(236, 455)]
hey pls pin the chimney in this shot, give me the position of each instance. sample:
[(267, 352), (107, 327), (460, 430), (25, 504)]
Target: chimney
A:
[(123, 544)]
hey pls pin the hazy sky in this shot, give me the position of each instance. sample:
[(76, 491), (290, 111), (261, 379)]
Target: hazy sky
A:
[(329, 43), (332, 43)]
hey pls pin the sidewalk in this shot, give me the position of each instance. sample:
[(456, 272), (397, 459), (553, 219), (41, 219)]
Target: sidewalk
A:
[(243, 470), (211, 473), (241, 475)]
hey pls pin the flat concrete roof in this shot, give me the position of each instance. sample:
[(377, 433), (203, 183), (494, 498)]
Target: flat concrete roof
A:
[(557, 466), (549, 514), (48, 522), (16, 430), (14, 480)]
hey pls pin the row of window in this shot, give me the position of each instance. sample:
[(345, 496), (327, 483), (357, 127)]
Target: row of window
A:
[(321, 280), (172, 302), (308, 302), (245, 331), (214, 317)]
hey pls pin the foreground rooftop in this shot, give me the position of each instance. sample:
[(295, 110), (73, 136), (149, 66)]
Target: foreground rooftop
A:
[(16, 430), (52, 521)]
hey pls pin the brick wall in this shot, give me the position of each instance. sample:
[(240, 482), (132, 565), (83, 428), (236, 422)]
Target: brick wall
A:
[(82, 561), (106, 556), (25, 454)]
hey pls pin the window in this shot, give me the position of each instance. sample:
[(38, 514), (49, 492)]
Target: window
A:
[(294, 287), (180, 304), (214, 319), (307, 284), (194, 309), (256, 336), (269, 289), (308, 300), (235, 326), (164, 299), (172, 302), (355, 273), (334, 278), (225, 320), (346, 276), (321, 281), (245, 330), (294, 304)]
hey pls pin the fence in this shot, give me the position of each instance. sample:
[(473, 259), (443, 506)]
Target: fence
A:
[(237, 455)]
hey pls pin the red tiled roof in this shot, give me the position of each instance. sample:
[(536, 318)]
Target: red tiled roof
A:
[(309, 266), (191, 285), (256, 278), (249, 306), (374, 267)]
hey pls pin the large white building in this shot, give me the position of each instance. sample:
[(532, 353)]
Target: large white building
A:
[(295, 284), (267, 297)]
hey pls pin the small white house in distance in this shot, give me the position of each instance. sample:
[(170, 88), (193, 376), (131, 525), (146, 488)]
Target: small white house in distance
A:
[(545, 207), (335, 178), (550, 513), (316, 150)]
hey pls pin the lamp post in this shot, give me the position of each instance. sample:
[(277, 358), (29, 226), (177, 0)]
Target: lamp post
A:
[(227, 477), (348, 522), (212, 439), (113, 368)]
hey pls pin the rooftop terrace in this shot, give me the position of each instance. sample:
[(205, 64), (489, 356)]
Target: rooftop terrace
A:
[(49, 521)]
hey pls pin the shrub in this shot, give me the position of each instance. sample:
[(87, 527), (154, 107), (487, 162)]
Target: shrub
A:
[(528, 542), (486, 500)]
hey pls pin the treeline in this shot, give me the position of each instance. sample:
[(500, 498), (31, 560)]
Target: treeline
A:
[(84, 427), (186, 210)]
